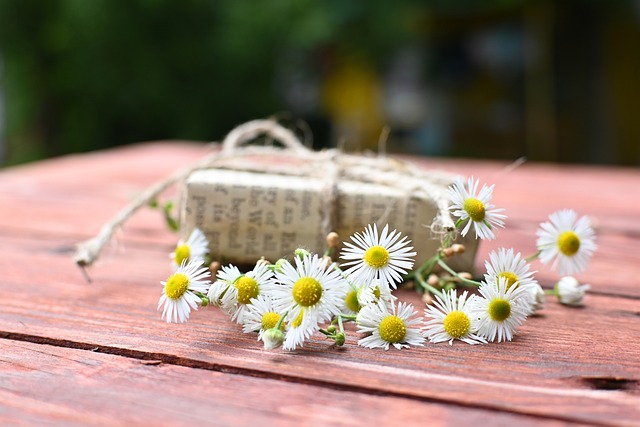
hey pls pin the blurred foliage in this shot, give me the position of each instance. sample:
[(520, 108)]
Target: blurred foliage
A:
[(80, 75)]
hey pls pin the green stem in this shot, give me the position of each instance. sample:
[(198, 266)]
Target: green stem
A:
[(204, 300), (426, 268), (454, 273), (428, 287), (279, 324), (341, 317), (327, 333), (550, 292), (340, 325), (532, 257), (328, 252)]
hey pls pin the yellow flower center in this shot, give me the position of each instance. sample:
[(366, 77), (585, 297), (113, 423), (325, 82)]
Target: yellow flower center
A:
[(376, 256), (475, 209), (298, 320), (569, 243), (270, 320), (351, 300), (182, 252), (176, 285), (247, 289), (392, 329), (499, 309), (457, 324), (307, 291), (510, 278)]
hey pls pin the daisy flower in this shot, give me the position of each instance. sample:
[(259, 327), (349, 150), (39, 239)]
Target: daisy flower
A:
[(360, 296), (372, 257), (195, 248), (243, 289), (398, 329), (310, 290), (226, 276), (351, 303), (260, 316), (515, 270), (299, 330), (451, 319), (570, 292), (500, 310), (179, 291), (566, 242), (473, 207)]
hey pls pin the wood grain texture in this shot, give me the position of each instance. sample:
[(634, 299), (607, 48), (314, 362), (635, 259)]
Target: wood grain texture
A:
[(553, 359), (579, 365), (45, 385)]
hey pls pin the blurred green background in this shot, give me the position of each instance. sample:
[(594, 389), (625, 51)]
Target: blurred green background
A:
[(552, 81)]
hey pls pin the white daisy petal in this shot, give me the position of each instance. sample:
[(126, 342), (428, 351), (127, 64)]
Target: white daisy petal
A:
[(400, 329), (500, 310), (260, 316), (194, 249), (385, 257), (226, 276), (299, 330), (452, 319), (310, 293), (179, 291), (474, 208), (234, 291), (566, 243), (511, 266)]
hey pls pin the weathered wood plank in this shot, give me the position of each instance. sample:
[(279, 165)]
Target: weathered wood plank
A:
[(553, 368), (46, 385), (57, 196), (557, 367)]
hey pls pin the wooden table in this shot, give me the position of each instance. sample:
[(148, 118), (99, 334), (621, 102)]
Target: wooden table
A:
[(74, 353)]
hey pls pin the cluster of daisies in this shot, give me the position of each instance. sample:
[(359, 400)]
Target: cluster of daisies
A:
[(289, 301)]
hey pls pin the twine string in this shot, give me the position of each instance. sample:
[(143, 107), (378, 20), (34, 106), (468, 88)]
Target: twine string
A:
[(330, 166)]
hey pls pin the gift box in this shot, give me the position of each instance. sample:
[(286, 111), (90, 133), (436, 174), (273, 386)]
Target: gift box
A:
[(267, 201)]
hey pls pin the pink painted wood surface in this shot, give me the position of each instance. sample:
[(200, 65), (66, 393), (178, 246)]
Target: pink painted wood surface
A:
[(566, 365)]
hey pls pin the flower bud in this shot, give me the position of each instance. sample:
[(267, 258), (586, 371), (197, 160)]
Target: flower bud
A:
[(340, 339), (458, 248), (570, 292), (272, 338), (214, 267), (333, 240), (301, 252), (433, 280), (277, 267)]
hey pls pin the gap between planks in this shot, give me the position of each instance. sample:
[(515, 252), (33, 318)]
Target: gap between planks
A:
[(160, 358)]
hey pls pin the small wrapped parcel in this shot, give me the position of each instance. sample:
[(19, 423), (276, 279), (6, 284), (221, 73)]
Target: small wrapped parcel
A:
[(266, 201)]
